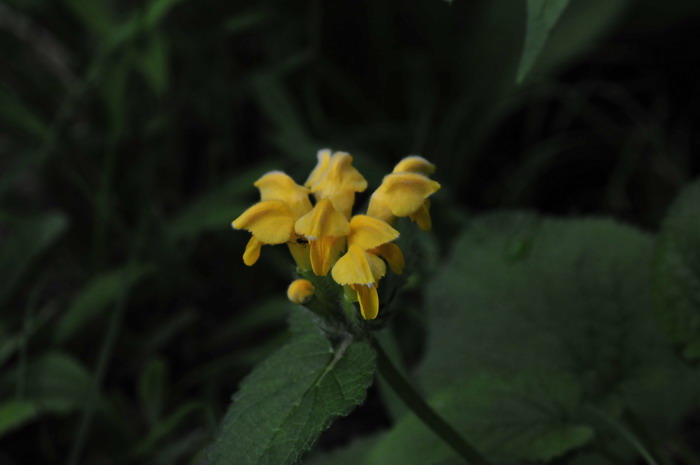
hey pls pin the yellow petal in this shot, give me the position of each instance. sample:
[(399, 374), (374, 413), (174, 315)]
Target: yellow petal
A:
[(339, 183), (367, 232), (422, 217), (358, 267), (322, 220), (277, 185), (393, 256), (324, 159), (379, 209), (300, 291), (252, 251), (300, 253), (270, 221), (414, 164), (323, 253), (404, 193), (369, 301)]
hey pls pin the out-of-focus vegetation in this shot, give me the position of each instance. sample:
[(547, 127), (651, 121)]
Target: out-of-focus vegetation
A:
[(130, 136)]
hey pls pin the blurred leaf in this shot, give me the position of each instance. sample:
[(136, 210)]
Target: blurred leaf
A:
[(509, 418), (677, 272), (96, 296), (350, 454), (58, 383), (245, 21), (94, 15), (215, 210), (288, 400), (523, 294), (542, 15), (15, 413), (162, 429), (11, 343), (156, 11), (152, 62), (113, 89), (27, 239), (581, 26), (17, 114), (152, 388)]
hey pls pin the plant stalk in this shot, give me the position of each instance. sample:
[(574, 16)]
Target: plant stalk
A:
[(423, 411)]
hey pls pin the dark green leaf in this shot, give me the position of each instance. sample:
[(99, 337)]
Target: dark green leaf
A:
[(152, 387), (542, 15), (287, 401), (152, 61), (523, 295), (677, 272), (15, 413), (94, 15), (58, 383), (15, 113), (510, 418), (96, 296), (26, 239)]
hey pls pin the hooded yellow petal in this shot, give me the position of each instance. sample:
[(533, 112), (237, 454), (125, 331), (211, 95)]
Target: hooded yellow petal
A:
[(404, 193), (324, 159), (300, 291), (277, 185), (422, 217), (270, 221), (393, 256), (414, 164), (358, 267), (252, 251), (379, 209), (322, 220), (367, 232), (369, 301), (323, 253), (339, 183)]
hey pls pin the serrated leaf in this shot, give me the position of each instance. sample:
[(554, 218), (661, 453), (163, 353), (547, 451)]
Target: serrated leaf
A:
[(510, 418), (26, 239), (524, 295), (287, 401), (542, 15), (677, 272), (15, 413), (96, 296)]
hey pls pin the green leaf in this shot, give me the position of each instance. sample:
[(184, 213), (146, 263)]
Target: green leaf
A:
[(152, 62), (28, 238), (152, 387), (677, 272), (288, 400), (510, 418), (15, 113), (96, 296), (94, 15), (15, 413), (57, 383), (215, 210), (542, 15), (525, 295), (157, 10)]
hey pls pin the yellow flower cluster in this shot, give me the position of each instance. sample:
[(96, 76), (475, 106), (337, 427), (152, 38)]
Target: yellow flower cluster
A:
[(326, 237)]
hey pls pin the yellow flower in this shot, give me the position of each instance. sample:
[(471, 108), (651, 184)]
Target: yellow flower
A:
[(325, 228), (335, 178), (405, 192), (271, 221), (360, 268), (361, 271), (300, 291)]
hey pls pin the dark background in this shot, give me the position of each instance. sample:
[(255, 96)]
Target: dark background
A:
[(131, 133)]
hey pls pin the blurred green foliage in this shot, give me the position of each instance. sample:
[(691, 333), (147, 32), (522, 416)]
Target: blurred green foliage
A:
[(131, 133)]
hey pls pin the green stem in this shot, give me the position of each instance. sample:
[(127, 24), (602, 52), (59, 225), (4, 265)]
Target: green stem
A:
[(626, 433), (423, 411)]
